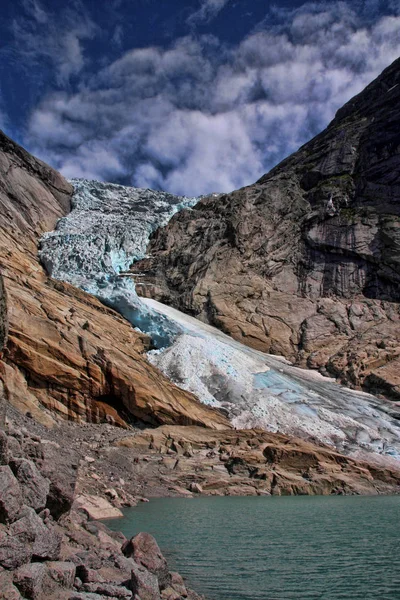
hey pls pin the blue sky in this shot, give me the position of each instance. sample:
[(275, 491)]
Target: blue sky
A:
[(190, 96)]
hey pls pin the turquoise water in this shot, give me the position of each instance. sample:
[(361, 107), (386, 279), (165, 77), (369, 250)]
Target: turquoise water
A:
[(278, 548)]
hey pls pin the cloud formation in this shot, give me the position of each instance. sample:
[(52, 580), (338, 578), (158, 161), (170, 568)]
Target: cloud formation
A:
[(208, 10), (200, 116), (42, 37)]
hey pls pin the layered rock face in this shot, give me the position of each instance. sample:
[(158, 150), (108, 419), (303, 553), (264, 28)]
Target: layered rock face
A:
[(305, 262), (252, 462), (65, 351)]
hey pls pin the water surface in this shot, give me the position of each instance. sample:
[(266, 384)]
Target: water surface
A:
[(274, 548)]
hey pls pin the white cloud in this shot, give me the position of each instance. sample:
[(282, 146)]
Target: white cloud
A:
[(199, 116), (41, 36), (208, 10)]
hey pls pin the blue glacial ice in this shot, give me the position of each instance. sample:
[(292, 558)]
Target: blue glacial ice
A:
[(107, 230)]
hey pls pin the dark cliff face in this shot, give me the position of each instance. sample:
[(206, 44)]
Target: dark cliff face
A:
[(305, 262)]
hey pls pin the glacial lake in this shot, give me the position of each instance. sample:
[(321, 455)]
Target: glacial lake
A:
[(277, 548)]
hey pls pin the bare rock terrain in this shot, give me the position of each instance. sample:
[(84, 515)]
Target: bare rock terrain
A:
[(53, 551), (305, 262), (65, 351)]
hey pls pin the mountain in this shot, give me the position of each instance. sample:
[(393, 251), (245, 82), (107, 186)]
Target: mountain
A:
[(64, 350), (304, 263)]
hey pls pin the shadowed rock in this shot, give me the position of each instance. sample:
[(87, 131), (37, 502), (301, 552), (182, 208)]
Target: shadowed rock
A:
[(10, 495), (34, 486)]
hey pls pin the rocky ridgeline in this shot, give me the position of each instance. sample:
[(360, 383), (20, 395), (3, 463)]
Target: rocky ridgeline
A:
[(50, 550), (305, 262)]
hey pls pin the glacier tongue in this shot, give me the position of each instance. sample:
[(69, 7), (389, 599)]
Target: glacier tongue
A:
[(106, 231), (265, 391)]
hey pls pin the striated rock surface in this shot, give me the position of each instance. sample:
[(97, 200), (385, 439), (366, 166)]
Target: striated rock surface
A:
[(305, 262), (65, 350), (250, 463)]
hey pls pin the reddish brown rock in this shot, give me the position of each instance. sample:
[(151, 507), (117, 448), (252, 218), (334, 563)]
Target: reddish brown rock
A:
[(65, 351), (256, 462), (145, 551), (10, 495)]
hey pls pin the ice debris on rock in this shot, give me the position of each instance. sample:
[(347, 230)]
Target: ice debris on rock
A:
[(258, 390)]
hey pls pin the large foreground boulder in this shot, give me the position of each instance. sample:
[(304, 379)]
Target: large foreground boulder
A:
[(11, 498), (145, 551), (34, 486)]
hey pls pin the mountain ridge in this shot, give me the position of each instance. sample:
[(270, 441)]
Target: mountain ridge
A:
[(305, 262)]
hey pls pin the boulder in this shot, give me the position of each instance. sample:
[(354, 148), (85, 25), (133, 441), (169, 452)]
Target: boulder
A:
[(86, 596), (34, 486), (15, 551), (44, 540), (63, 573), (178, 584), (4, 452), (10, 495), (145, 551), (61, 468), (170, 594), (87, 575), (144, 584), (86, 558), (8, 591), (32, 581), (96, 507), (196, 488), (108, 589), (14, 448)]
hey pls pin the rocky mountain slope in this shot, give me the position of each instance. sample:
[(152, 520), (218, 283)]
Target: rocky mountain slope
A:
[(106, 231), (305, 262), (65, 351)]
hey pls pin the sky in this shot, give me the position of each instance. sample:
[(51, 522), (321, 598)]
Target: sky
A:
[(188, 96)]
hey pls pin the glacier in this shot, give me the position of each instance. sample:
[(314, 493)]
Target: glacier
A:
[(107, 230)]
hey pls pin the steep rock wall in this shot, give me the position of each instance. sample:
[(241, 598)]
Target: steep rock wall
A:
[(305, 262), (65, 350)]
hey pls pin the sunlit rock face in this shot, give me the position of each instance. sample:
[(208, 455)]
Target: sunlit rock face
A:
[(107, 230), (66, 355), (306, 261)]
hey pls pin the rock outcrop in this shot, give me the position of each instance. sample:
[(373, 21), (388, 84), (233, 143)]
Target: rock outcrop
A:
[(192, 461), (45, 555), (305, 262), (66, 351)]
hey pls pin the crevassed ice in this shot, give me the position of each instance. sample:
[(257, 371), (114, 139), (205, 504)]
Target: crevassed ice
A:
[(106, 231)]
